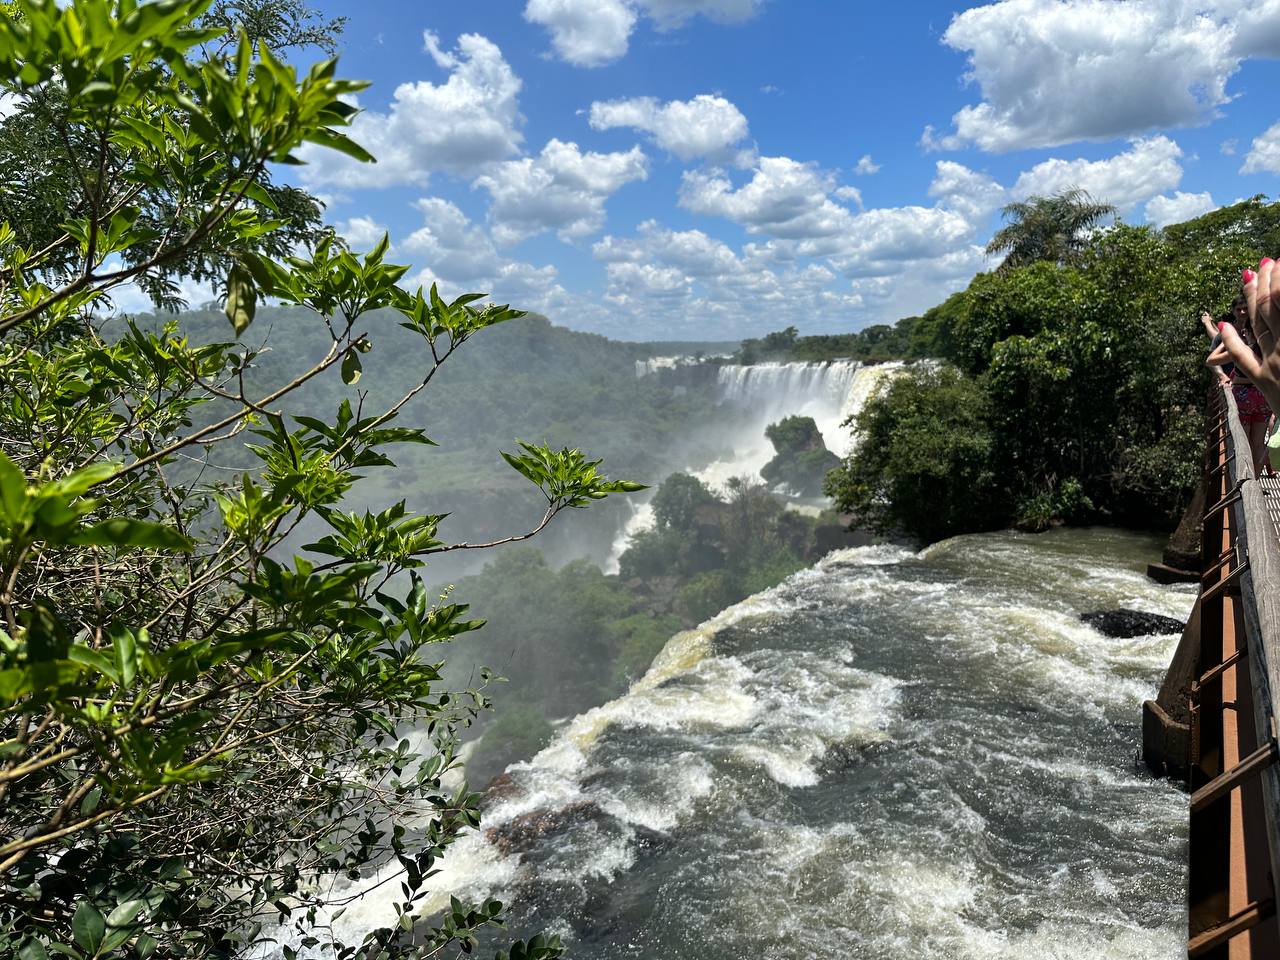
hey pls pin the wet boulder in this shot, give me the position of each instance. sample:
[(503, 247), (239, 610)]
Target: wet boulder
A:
[(522, 833), (1131, 623), (502, 787)]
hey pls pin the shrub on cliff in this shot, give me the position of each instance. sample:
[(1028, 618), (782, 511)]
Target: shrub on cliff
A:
[(802, 459)]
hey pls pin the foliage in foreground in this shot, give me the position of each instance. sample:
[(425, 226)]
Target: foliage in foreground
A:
[(196, 734), (1075, 392)]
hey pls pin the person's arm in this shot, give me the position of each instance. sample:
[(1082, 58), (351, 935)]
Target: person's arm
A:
[(1218, 356), (1262, 293), (1210, 325)]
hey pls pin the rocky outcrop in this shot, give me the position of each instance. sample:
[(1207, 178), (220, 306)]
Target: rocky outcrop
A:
[(1131, 623)]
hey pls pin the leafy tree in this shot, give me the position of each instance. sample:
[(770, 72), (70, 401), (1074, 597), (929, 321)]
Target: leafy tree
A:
[(676, 503), (924, 465), (1053, 228), (1252, 223), (1083, 385), (58, 169), (196, 730)]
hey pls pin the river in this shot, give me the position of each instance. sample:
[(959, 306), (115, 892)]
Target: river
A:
[(893, 754)]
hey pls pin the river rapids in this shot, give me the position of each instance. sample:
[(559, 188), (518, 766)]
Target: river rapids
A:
[(893, 754)]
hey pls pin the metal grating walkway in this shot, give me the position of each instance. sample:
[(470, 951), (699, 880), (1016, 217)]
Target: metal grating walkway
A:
[(1271, 487)]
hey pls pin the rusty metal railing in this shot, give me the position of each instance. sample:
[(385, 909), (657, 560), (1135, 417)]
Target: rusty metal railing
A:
[(1233, 741)]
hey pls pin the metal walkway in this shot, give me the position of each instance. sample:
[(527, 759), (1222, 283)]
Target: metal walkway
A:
[(1232, 707)]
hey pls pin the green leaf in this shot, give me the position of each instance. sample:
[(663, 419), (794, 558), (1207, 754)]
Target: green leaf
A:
[(33, 950), (88, 927), (123, 532), (13, 490), (81, 480), (340, 142), (351, 367), (125, 647), (121, 924), (94, 660), (242, 298), (125, 913)]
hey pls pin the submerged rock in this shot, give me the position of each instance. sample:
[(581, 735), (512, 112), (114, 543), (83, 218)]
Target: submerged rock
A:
[(520, 834), (502, 787), (1131, 623)]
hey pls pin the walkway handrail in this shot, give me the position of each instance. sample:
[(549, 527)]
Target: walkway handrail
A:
[(1260, 592)]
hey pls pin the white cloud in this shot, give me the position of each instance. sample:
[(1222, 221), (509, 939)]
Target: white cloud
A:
[(975, 196), (1163, 210), (362, 233), (1264, 153), (586, 33), (1147, 168), (784, 198), (885, 238), (1055, 71), (660, 274), (706, 126), (591, 33), (461, 257), (866, 166), (668, 14), (851, 194), (471, 119), (792, 204), (562, 189), (1228, 147), (1258, 28)]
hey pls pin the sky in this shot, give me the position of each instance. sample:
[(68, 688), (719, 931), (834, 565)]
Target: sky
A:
[(717, 169)]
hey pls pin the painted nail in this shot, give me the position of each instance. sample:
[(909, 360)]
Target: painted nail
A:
[(1221, 324), (1247, 275), (1264, 261)]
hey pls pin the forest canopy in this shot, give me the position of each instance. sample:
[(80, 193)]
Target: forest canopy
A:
[(1070, 391)]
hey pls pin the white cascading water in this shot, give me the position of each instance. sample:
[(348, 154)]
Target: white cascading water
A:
[(765, 393), (830, 393)]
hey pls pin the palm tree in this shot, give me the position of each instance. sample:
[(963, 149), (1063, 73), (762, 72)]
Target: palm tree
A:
[(1048, 228)]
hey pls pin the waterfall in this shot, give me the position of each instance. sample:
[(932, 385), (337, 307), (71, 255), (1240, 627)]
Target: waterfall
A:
[(756, 396), (766, 392)]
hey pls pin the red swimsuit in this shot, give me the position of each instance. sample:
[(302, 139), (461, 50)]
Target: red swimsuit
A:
[(1251, 403)]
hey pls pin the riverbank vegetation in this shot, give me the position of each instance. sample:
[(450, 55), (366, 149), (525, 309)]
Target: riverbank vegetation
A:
[(1072, 387)]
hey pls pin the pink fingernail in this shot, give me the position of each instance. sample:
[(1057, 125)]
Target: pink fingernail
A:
[(1264, 261), (1247, 275), (1221, 324)]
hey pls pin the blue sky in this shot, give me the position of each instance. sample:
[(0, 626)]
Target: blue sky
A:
[(707, 169)]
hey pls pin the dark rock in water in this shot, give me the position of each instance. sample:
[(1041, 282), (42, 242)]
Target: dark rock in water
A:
[(502, 787), (521, 833), (1131, 623)]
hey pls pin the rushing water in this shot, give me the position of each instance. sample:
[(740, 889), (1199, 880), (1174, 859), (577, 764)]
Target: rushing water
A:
[(890, 755)]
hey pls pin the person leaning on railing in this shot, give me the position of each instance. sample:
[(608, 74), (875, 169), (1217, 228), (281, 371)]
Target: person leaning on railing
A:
[(1262, 309), (1251, 405)]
